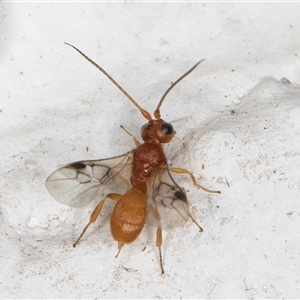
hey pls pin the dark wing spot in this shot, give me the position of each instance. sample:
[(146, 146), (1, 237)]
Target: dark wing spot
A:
[(180, 195), (77, 165)]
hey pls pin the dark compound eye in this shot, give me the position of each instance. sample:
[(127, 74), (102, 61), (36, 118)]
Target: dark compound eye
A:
[(167, 128)]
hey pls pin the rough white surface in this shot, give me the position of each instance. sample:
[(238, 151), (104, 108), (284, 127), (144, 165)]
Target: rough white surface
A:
[(238, 130)]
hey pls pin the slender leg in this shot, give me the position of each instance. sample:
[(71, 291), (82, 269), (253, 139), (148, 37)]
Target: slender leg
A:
[(184, 171), (158, 244), (192, 218), (96, 213), (124, 180), (158, 236), (137, 143), (196, 223)]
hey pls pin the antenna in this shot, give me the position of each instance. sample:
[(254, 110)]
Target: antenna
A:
[(143, 112), (157, 112)]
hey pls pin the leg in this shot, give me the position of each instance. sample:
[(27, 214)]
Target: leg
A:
[(195, 222), (124, 180), (158, 236), (184, 171), (137, 143), (192, 218), (158, 244), (96, 213)]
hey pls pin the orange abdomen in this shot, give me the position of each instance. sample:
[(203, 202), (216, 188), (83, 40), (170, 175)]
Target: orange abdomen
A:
[(129, 216)]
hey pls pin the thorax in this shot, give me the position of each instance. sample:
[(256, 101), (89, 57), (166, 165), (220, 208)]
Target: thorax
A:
[(147, 159)]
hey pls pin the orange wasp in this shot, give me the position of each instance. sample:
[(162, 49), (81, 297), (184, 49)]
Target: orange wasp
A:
[(153, 193)]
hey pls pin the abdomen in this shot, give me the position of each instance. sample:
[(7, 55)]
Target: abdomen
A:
[(129, 216)]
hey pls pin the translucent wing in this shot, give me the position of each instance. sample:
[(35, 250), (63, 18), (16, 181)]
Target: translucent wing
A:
[(167, 199), (78, 183)]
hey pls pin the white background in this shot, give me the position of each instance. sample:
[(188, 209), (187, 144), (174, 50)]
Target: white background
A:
[(237, 129)]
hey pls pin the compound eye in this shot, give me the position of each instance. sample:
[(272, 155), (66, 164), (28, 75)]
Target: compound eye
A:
[(147, 126), (167, 128)]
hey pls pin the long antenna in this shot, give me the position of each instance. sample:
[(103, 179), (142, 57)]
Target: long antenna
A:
[(143, 112), (157, 111)]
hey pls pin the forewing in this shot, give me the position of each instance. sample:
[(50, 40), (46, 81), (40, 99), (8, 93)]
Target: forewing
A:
[(166, 200), (78, 183)]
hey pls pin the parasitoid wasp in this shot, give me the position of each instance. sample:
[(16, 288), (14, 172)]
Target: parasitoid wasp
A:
[(152, 193)]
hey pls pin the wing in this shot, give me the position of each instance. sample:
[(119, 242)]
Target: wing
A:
[(78, 183), (167, 200)]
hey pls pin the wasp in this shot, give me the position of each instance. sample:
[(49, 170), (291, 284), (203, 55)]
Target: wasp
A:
[(151, 194)]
